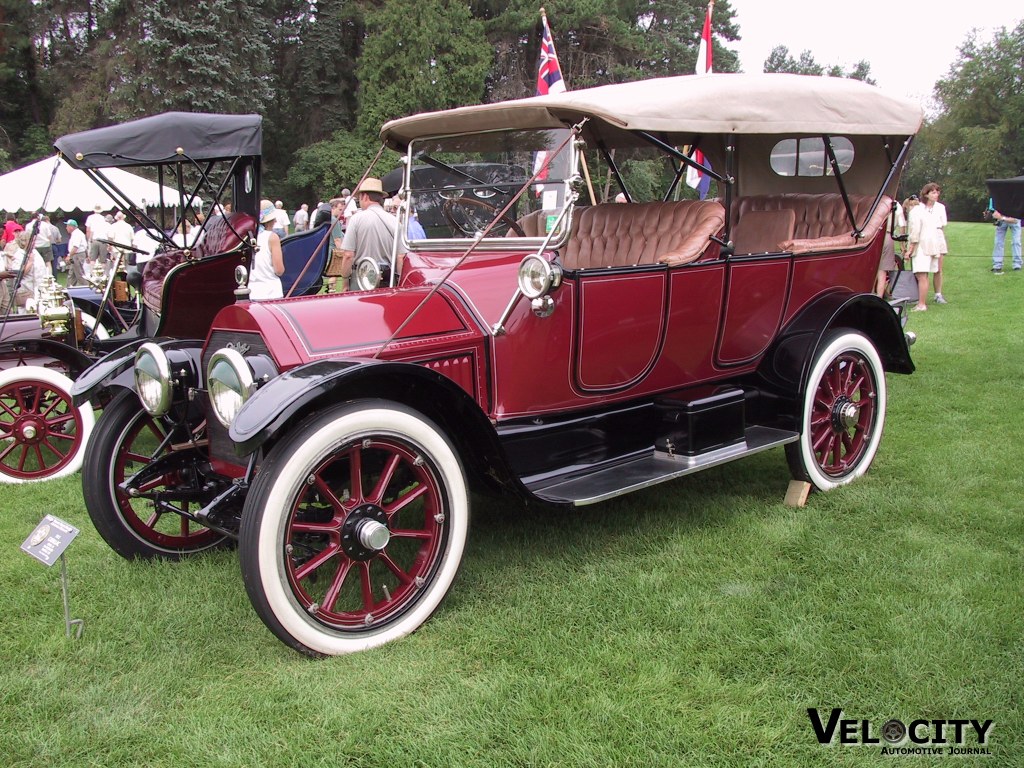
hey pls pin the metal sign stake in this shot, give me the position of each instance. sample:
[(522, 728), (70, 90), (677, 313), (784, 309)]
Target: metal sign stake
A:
[(79, 624)]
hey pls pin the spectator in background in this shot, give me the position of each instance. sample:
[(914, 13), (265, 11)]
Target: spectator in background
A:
[(121, 232), (414, 230), (888, 262), (621, 197), (281, 223), (96, 230), (927, 243), (1005, 224), (34, 271), (301, 218), (78, 252), (351, 205), (371, 232), (41, 230), (337, 214), (268, 261), (11, 228), (56, 244)]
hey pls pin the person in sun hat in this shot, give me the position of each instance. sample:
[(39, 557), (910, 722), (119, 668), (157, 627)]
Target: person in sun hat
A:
[(268, 261), (371, 231)]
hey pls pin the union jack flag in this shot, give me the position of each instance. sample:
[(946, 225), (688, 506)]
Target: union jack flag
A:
[(549, 74), (549, 80), (694, 178)]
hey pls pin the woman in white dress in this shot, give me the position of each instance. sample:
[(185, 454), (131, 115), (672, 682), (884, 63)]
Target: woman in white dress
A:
[(927, 243), (268, 261)]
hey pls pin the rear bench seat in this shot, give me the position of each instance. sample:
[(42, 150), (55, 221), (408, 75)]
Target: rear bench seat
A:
[(623, 235), (220, 238), (801, 223)]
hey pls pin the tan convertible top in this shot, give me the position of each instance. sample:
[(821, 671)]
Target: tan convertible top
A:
[(686, 106)]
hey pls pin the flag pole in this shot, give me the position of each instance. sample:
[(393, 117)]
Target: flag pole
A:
[(583, 155)]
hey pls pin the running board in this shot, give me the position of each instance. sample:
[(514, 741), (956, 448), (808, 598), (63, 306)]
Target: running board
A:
[(651, 468)]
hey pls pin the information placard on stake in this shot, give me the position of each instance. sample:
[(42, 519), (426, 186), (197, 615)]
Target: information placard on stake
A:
[(49, 540), (47, 544)]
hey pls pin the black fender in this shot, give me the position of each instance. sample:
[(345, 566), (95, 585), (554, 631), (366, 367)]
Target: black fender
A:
[(89, 301), (290, 397), (70, 356), (787, 363), (117, 370)]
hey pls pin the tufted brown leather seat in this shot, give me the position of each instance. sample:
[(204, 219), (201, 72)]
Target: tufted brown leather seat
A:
[(820, 221), (220, 238), (621, 235)]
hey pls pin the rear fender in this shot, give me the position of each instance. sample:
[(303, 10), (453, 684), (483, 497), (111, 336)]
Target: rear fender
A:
[(788, 361), (287, 399)]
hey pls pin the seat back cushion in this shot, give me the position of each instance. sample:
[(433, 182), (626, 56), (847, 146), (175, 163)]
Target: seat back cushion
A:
[(763, 231), (621, 235)]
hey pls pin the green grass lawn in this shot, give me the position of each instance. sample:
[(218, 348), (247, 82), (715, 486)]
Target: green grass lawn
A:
[(692, 624)]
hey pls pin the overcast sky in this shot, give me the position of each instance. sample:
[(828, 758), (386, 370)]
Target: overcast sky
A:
[(909, 45)]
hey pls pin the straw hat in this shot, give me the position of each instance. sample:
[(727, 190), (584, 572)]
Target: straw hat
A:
[(370, 185)]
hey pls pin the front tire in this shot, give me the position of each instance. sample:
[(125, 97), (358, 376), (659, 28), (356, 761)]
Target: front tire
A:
[(42, 434), (126, 440), (843, 412), (354, 530)]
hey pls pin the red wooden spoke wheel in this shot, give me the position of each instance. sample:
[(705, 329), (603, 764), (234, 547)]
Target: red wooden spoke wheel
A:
[(354, 530), (127, 440), (42, 434), (843, 412)]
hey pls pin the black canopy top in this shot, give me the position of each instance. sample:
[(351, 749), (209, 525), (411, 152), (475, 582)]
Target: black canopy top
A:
[(157, 140), (1007, 196)]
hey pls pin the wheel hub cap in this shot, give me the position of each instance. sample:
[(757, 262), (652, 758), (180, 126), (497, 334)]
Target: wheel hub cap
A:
[(28, 430), (365, 533), (847, 414)]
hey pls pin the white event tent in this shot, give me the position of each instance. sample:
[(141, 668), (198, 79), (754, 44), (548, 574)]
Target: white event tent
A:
[(25, 188)]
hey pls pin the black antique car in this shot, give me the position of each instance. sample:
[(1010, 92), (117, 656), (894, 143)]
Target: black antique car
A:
[(537, 341), (178, 292)]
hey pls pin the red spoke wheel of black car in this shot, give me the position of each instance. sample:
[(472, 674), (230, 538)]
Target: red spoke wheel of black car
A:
[(126, 440), (354, 530), (843, 412), (42, 434)]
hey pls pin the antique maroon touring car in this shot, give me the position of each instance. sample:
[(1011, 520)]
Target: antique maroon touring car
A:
[(536, 341)]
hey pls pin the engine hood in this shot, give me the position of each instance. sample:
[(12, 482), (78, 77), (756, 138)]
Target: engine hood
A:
[(301, 330)]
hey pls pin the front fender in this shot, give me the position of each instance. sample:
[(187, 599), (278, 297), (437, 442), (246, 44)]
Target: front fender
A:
[(71, 357), (117, 370), (325, 382), (287, 399), (788, 361)]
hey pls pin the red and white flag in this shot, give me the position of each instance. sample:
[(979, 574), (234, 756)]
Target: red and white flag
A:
[(694, 178)]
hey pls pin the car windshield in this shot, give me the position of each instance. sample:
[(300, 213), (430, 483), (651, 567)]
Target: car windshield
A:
[(458, 184)]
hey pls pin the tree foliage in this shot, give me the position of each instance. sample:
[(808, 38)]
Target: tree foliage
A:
[(780, 60), (978, 132)]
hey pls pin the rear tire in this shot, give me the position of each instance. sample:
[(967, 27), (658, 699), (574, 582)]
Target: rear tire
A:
[(843, 412), (354, 530)]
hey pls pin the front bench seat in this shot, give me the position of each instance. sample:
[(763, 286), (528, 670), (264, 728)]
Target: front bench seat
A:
[(633, 234)]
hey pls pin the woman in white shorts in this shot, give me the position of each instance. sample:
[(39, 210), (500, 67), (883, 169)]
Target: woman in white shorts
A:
[(927, 243)]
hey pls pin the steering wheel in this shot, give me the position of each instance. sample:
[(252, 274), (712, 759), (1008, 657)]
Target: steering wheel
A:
[(470, 216), (122, 246)]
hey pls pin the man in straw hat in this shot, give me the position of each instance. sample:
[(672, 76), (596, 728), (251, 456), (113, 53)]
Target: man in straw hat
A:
[(371, 232)]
